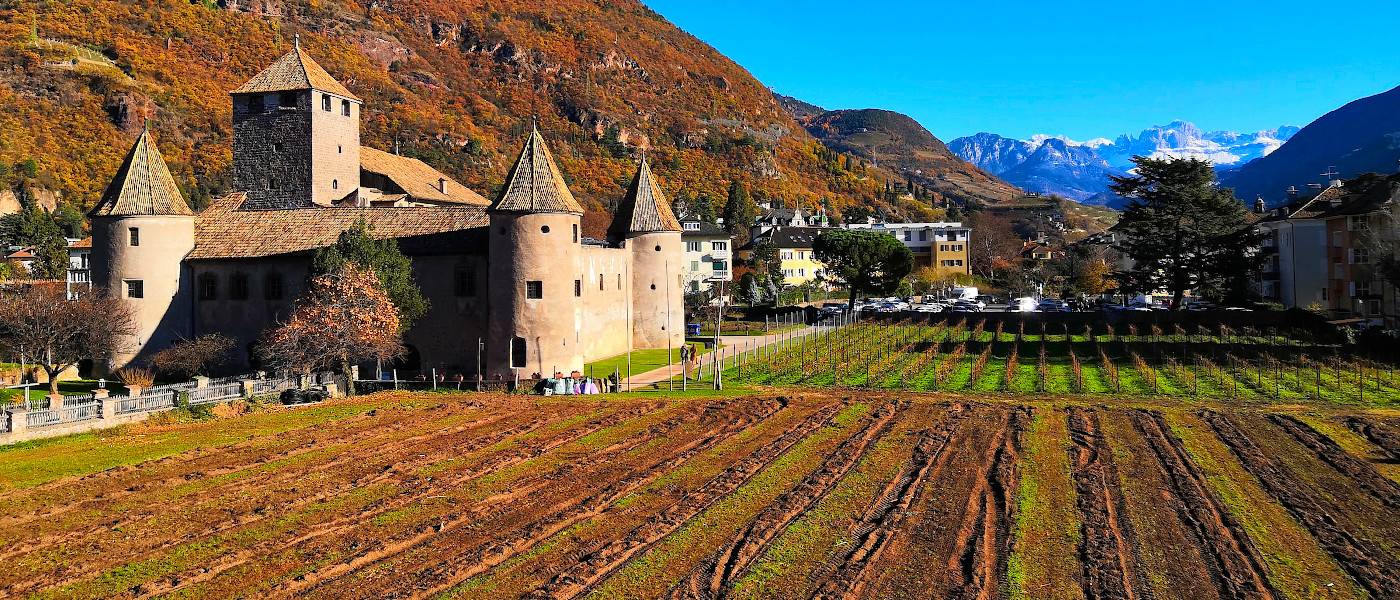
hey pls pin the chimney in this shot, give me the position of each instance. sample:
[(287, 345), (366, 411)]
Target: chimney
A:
[(442, 184), (1260, 206)]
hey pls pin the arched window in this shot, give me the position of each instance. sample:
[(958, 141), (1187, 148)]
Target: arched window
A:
[(238, 287), (335, 184)]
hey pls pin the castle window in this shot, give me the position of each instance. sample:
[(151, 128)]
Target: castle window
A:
[(518, 353), (208, 287), (335, 184), (619, 281), (544, 229), (255, 104), (464, 283), (326, 102), (238, 287), (600, 282), (276, 146), (133, 235), (287, 100), (534, 290), (339, 149), (135, 288), (575, 233), (658, 247), (345, 107), (578, 288), (272, 286)]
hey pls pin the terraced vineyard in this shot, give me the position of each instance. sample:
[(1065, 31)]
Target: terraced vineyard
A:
[(813, 495), (973, 355)]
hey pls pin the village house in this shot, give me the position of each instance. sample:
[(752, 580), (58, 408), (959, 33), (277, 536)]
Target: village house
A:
[(794, 245), (708, 255), (514, 289), (942, 245)]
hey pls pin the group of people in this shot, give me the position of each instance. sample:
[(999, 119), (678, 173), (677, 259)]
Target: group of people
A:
[(576, 384)]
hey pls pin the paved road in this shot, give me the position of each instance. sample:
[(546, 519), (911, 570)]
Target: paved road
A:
[(730, 344)]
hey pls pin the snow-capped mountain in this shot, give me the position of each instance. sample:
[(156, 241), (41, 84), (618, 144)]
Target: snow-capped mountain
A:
[(1055, 164)]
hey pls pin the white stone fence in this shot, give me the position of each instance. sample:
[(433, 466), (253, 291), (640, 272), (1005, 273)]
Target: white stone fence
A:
[(30, 420)]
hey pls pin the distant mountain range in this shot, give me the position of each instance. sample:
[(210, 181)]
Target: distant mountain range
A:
[(1361, 137), (1081, 170)]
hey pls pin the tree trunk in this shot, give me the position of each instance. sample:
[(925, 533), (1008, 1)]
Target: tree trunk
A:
[(349, 377), (851, 300), (53, 383)]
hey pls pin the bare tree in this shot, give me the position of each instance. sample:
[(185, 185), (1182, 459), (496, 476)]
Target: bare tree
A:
[(40, 324), (197, 356)]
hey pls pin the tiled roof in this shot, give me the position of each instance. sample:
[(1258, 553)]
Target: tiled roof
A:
[(294, 71), (142, 186), (418, 179), (83, 243), (705, 229), (644, 209), (223, 231), (534, 184), (789, 237)]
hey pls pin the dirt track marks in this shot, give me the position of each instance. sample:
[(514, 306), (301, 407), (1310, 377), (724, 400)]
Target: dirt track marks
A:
[(1234, 563), (601, 561), (1106, 554), (1367, 563), (1384, 490), (873, 531), (960, 541), (714, 576), (1384, 438)]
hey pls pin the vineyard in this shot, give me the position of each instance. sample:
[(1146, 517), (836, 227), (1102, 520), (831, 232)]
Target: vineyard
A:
[(813, 495), (976, 355)]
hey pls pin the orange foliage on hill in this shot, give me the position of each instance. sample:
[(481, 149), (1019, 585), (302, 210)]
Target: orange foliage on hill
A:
[(452, 82)]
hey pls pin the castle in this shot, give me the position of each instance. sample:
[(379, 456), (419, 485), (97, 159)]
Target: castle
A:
[(514, 287)]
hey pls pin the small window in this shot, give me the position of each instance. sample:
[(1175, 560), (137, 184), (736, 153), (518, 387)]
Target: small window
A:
[(255, 104), (578, 288), (276, 146), (464, 283), (287, 100), (600, 282), (544, 229), (518, 353), (135, 288), (238, 287), (575, 226), (335, 184), (339, 149), (619, 281), (273, 287), (692, 247), (208, 287), (908, 235), (133, 235), (719, 245), (345, 107), (326, 102), (534, 290)]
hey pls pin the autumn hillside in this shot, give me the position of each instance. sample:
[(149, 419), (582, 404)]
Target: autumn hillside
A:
[(452, 82)]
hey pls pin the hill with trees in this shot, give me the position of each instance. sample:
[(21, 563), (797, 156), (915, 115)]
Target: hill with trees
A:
[(452, 83)]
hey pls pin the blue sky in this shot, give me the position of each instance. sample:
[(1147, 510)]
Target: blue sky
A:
[(1082, 69)]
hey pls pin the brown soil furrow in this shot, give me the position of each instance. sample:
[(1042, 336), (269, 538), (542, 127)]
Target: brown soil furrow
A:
[(597, 563), (1233, 561), (1369, 565), (567, 512), (1366, 476), (1385, 439), (377, 422), (415, 489), (713, 577), (872, 532), (941, 551), (261, 492), (984, 543), (464, 523), (1107, 556)]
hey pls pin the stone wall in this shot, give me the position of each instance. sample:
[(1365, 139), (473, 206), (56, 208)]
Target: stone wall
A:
[(272, 150)]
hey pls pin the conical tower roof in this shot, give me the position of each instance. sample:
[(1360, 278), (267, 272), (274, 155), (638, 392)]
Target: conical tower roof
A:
[(644, 209), (295, 71), (534, 184), (143, 186)]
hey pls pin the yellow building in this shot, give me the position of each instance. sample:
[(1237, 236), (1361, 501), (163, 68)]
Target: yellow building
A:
[(943, 246), (794, 245)]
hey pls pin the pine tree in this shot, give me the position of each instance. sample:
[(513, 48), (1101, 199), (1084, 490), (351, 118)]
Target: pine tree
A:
[(704, 209), (1182, 232), (739, 212)]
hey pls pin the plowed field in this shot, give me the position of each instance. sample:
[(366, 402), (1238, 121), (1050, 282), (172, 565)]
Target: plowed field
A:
[(817, 494)]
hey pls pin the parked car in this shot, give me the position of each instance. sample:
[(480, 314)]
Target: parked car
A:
[(1023, 304), (928, 307)]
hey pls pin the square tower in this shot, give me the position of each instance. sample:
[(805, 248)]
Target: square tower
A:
[(296, 136)]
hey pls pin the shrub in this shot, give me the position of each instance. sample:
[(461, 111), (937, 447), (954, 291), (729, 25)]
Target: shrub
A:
[(189, 358), (136, 376)]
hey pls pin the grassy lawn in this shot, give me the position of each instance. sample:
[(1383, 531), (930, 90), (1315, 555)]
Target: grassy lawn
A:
[(74, 387), (642, 361), (749, 328)]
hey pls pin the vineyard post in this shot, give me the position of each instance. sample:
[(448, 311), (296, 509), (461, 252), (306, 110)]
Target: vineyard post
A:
[(1360, 382)]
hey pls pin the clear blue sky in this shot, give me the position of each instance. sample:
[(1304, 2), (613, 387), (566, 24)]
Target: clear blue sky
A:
[(1082, 69)]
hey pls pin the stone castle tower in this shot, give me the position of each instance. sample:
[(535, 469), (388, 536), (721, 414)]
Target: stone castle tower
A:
[(142, 229), (535, 253), (651, 232), (296, 136)]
